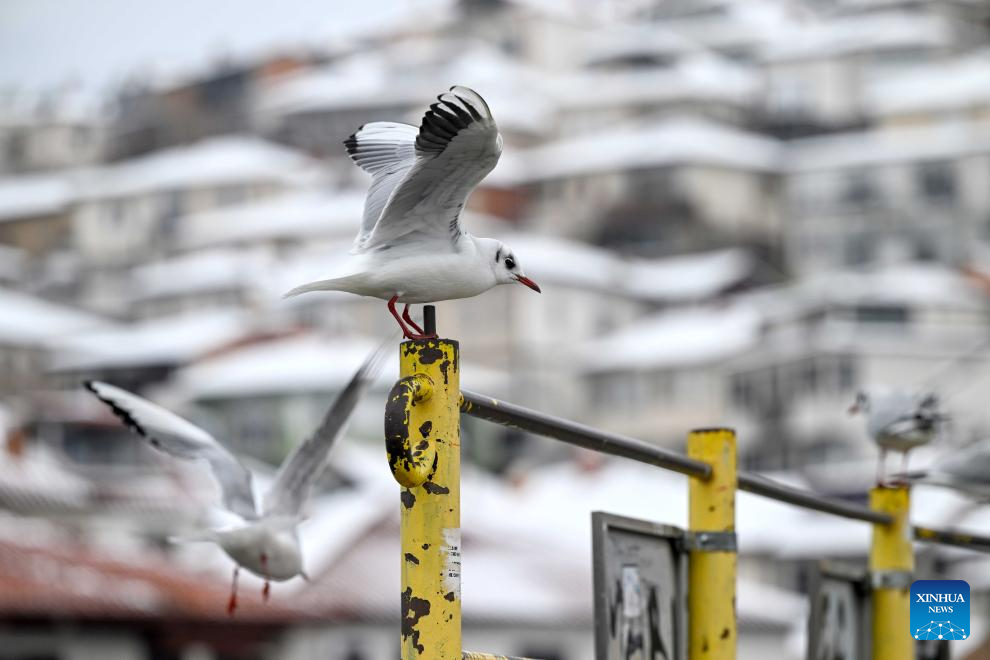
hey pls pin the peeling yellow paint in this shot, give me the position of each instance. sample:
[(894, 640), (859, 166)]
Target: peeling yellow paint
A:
[(431, 512)]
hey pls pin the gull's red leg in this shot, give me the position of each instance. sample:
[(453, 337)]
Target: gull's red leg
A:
[(398, 319), (232, 602), (267, 589), (408, 319)]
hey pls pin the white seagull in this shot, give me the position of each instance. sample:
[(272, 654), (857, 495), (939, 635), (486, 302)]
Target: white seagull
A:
[(898, 421), (267, 541), (411, 247)]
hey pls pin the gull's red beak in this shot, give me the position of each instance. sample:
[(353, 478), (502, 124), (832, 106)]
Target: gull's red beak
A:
[(522, 279)]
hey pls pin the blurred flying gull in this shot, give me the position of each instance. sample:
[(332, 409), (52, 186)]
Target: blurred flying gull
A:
[(966, 470), (267, 542), (411, 247), (898, 421)]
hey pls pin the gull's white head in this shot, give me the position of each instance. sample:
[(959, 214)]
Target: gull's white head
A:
[(504, 264)]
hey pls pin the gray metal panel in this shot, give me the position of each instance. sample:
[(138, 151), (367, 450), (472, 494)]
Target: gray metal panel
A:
[(640, 579), (839, 622)]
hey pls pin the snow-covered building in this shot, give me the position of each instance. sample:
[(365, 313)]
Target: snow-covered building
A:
[(129, 212), (28, 325), (35, 212), (41, 134), (648, 187), (818, 74), (947, 92), (875, 197)]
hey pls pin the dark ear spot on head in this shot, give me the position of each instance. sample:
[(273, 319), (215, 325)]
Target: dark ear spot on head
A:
[(498, 255)]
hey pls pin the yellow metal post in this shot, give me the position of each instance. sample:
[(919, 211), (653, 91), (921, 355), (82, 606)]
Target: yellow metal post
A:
[(712, 560), (422, 432), (891, 564)]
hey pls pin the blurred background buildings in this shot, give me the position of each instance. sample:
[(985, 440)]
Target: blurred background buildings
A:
[(739, 212)]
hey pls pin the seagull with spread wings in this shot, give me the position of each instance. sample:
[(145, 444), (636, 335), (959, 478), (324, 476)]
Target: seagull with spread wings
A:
[(411, 247), (266, 543)]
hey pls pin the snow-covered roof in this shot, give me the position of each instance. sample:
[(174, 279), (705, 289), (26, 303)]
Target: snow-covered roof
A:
[(401, 77), (298, 364), (944, 86), (741, 26), (690, 276), (201, 271), (161, 341), (604, 44), (27, 320), (671, 142), (34, 196), (889, 31), (231, 160), (676, 339), (685, 277), (909, 284), (874, 148), (702, 77), (293, 214)]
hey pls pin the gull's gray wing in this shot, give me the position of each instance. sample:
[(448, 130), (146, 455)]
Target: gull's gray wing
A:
[(456, 147), (174, 435), (894, 413), (295, 477), (387, 151)]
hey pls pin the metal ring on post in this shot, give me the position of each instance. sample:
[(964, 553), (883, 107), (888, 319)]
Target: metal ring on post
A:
[(411, 461)]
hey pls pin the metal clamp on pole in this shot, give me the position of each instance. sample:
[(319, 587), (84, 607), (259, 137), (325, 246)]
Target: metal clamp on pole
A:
[(891, 563), (711, 541), (422, 431), (712, 559)]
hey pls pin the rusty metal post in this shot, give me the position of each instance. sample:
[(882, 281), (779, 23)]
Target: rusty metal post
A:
[(712, 545), (422, 436), (891, 565)]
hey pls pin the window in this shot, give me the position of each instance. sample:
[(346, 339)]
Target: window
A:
[(882, 314), (937, 183), (860, 190), (858, 250)]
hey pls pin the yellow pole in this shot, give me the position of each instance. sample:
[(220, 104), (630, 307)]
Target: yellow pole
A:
[(891, 563), (422, 429), (712, 560)]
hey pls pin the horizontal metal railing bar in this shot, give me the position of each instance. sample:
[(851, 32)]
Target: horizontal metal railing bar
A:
[(956, 539), (759, 485), (471, 655), (501, 412), (509, 414)]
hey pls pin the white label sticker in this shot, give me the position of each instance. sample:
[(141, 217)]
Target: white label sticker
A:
[(452, 560)]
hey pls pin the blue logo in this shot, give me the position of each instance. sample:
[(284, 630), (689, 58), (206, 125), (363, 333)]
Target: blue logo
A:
[(940, 609)]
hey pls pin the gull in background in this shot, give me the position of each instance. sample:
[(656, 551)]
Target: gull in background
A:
[(898, 421), (966, 470), (411, 247), (266, 543)]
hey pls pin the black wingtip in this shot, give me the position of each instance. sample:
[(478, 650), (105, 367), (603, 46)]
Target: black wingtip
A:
[(123, 415), (351, 144)]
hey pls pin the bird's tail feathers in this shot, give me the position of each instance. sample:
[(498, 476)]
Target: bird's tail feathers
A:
[(332, 284), (919, 475)]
